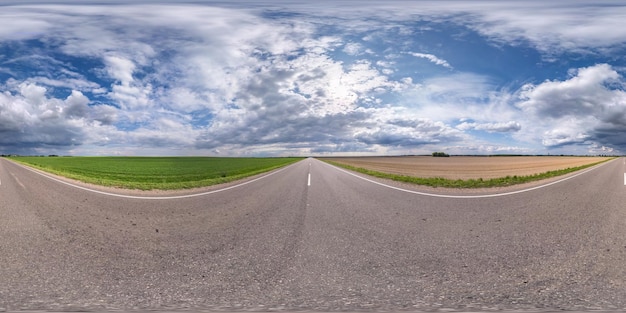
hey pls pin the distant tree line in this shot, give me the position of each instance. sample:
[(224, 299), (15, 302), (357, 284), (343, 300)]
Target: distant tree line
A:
[(17, 155)]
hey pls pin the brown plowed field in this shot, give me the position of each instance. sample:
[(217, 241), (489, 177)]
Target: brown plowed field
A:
[(466, 167)]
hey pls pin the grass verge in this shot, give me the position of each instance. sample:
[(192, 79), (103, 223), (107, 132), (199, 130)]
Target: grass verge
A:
[(162, 173), (469, 183)]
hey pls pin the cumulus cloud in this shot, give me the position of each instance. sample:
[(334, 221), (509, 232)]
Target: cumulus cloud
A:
[(585, 93), (33, 94), (30, 119), (312, 100), (588, 108), (564, 136), (76, 105)]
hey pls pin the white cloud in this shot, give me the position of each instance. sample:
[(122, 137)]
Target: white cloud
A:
[(588, 108), (76, 105), (564, 136), (551, 26), (453, 97), (432, 58), (388, 129), (584, 93), (31, 119), (353, 48), (182, 99), (104, 114), (500, 127), (483, 148), (33, 94), (208, 77), (120, 68), (131, 97), (597, 149), (20, 28), (311, 100), (70, 83)]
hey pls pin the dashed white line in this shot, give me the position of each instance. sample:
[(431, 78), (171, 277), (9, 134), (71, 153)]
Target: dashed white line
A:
[(624, 179), (309, 180)]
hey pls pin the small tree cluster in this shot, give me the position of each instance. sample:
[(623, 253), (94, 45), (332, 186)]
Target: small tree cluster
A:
[(440, 154)]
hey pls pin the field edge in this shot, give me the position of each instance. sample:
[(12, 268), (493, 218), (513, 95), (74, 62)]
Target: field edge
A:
[(156, 186), (439, 182)]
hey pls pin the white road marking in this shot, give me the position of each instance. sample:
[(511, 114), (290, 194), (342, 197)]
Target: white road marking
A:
[(624, 179), (146, 197), (467, 196), (18, 181), (309, 181)]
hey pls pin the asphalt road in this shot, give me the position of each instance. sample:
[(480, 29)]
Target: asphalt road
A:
[(313, 237)]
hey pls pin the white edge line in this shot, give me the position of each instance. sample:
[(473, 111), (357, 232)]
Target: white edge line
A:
[(469, 196), (155, 198)]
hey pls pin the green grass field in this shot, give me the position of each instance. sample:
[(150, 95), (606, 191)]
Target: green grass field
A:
[(146, 173)]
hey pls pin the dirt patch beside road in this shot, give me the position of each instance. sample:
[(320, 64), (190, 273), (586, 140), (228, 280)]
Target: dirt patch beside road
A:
[(467, 167)]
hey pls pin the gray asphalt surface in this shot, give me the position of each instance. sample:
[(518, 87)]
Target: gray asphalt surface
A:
[(340, 244)]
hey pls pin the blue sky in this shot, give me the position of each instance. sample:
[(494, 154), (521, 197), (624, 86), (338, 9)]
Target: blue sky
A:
[(275, 78)]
